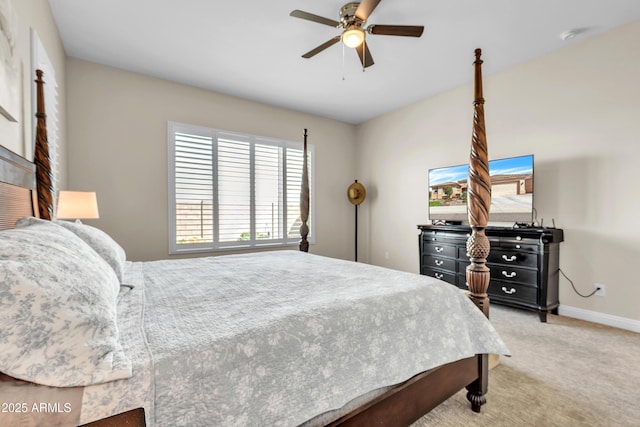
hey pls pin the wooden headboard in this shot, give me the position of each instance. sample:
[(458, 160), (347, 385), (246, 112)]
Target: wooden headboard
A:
[(17, 188), (23, 183)]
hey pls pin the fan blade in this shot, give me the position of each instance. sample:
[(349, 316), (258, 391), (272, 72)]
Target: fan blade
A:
[(366, 59), (322, 47), (366, 7), (396, 30), (315, 18)]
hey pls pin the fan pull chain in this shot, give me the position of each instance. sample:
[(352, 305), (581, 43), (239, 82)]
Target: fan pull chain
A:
[(364, 48), (343, 55)]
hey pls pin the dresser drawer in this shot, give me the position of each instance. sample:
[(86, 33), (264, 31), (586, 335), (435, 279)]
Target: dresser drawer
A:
[(518, 246), (525, 255), (442, 236), (439, 274), (448, 264), (514, 274), (513, 258), (505, 272), (440, 249), (509, 291)]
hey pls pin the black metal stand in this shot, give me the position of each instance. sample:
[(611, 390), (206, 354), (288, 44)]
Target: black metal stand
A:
[(356, 236)]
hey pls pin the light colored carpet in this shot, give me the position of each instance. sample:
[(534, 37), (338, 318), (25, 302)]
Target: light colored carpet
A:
[(566, 372)]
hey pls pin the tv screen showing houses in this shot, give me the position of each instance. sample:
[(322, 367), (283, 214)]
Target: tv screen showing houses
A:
[(511, 191)]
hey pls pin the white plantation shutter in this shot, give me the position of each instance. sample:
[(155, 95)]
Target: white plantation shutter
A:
[(233, 191), (294, 171), (193, 189), (269, 176)]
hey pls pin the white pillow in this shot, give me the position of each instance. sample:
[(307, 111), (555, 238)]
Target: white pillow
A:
[(58, 323), (102, 243)]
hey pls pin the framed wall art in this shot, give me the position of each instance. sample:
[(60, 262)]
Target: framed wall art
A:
[(9, 64)]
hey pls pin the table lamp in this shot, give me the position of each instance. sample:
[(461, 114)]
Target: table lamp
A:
[(77, 205)]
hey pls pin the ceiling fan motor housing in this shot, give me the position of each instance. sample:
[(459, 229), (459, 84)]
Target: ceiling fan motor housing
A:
[(348, 15)]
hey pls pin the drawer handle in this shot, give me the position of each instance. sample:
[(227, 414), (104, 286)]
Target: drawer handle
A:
[(439, 276), (509, 275), (439, 249), (508, 291), (439, 262), (509, 259)]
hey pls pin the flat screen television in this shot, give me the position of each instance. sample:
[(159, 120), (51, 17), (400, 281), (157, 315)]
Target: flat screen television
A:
[(511, 191)]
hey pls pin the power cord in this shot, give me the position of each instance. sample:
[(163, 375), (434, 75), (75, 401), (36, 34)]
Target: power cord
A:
[(574, 288), (123, 292)]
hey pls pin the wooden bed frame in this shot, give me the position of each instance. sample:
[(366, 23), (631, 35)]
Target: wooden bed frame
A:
[(402, 404)]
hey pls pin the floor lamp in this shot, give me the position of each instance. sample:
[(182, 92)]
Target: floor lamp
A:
[(356, 194)]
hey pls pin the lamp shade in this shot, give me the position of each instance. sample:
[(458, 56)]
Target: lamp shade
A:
[(356, 193), (353, 36), (77, 205)]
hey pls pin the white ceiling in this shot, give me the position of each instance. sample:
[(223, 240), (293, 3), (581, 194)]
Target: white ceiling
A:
[(252, 48)]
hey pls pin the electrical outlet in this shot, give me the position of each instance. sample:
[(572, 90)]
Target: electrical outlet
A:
[(600, 289)]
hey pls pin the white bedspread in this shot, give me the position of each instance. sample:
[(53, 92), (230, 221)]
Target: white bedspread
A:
[(277, 338)]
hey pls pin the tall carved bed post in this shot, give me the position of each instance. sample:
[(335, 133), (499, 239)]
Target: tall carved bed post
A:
[(479, 196), (304, 199), (41, 155), (479, 202)]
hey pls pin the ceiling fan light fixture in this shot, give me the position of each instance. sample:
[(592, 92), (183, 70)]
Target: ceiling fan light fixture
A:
[(353, 36)]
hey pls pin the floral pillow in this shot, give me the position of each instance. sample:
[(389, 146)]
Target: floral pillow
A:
[(102, 243), (58, 323)]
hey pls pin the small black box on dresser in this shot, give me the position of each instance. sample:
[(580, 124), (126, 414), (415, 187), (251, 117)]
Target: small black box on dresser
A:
[(524, 263)]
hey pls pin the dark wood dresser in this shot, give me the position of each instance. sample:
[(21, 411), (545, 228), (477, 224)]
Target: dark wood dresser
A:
[(524, 263)]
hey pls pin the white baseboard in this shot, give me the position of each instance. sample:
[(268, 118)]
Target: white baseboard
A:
[(602, 318)]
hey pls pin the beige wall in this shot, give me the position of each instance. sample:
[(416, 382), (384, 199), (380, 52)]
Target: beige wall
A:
[(577, 111), (118, 148), (18, 137)]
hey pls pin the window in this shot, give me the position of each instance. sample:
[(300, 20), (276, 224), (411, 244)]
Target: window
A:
[(228, 190)]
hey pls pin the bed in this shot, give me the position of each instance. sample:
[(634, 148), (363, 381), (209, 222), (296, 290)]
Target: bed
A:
[(276, 338)]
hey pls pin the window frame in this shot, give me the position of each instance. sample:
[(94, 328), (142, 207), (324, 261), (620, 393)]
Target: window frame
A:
[(253, 243)]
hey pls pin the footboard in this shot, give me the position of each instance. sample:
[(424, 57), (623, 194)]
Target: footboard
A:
[(133, 418), (409, 401)]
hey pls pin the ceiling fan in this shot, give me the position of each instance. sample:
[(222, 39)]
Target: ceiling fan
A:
[(353, 17)]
